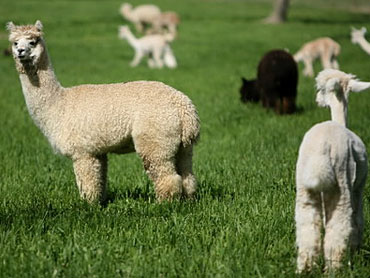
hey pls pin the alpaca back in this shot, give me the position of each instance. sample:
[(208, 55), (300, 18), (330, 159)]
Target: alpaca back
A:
[(277, 79), (330, 154)]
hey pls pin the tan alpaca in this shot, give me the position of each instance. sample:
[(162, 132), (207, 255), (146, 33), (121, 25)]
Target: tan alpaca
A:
[(166, 22), (141, 16), (88, 121), (358, 37), (324, 48), (156, 47)]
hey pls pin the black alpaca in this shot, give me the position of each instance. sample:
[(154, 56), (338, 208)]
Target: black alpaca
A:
[(276, 83)]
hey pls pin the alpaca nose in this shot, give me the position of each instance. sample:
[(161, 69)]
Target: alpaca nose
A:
[(21, 51)]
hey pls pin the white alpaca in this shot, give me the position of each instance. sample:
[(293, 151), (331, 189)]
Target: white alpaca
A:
[(140, 16), (330, 176), (324, 48), (156, 47), (358, 37), (88, 121)]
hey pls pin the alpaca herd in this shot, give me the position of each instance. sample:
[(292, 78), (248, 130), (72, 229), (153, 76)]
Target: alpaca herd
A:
[(160, 29), (161, 124)]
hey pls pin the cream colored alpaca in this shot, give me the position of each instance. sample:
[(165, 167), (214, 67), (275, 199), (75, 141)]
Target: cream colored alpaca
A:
[(88, 121), (358, 37), (167, 22), (140, 16), (324, 48), (330, 177), (156, 47)]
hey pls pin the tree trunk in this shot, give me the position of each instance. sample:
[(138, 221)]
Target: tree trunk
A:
[(280, 12)]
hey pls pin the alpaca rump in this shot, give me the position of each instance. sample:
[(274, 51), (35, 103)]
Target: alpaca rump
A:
[(324, 49), (88, 121), (331, 174), (276, 83)]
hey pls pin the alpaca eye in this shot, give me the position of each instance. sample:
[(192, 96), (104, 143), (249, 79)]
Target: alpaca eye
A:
[(15, 43), (33, 43)]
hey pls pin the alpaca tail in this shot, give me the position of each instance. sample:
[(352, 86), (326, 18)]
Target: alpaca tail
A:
[(336, 50), (169, 58), (190, 122)]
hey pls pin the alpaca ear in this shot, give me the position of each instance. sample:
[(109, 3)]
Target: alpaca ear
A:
[(333, 84), (244, 80), (10, 26), (357, 86), (38, 25)]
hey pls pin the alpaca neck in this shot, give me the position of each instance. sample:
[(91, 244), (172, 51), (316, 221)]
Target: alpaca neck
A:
[(40, 87), (131, 39), (339, 112), (365, 45), (127, 13)]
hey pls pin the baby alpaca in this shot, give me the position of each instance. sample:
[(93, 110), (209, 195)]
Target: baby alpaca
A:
[(324, 48), (276, 83), (142, 16), (88, 121), (155, 46), (358, 37), (330, 177)]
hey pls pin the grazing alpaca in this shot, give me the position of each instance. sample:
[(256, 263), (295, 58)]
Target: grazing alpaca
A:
[(325, 48), (88, 121), (358, 37), (141, 16), (330, 177), (276, 82), (155, 46)]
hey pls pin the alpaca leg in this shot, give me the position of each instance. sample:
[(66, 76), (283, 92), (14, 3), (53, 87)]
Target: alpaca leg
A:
[(326, 61), (358, 214), (151, 62), (157, 53), (308, 228), (288, 105), (184, 163), (334, 63), (338, 228), (159, 162), (139, 27), (137, 58), (308, 68), (91, 176)]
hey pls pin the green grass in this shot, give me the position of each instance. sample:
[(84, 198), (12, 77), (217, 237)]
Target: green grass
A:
[(242, 223)]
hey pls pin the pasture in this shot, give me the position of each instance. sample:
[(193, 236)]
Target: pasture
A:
[(242, 221)]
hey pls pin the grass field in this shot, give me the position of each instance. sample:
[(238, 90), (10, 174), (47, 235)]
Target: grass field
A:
[(242, 223)]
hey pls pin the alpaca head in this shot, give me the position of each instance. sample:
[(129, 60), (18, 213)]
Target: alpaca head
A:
[(357, 34), (249, 91), (123, 31), (334, 87), (125, 9), (27, 43)]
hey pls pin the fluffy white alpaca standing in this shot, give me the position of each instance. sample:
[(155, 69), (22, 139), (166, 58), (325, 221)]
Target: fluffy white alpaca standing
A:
[(88, 121), (324, 48), (156, 47), (330, 176), (358, 37), (140, 16)]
